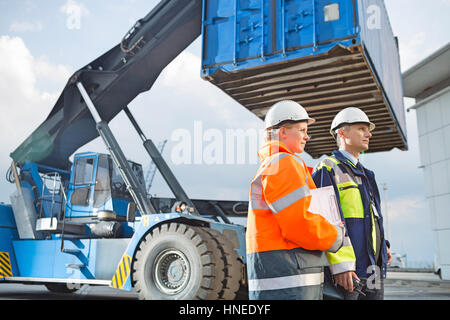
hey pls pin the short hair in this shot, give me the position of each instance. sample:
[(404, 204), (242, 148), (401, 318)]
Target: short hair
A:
[(270, 132), (336, 135)]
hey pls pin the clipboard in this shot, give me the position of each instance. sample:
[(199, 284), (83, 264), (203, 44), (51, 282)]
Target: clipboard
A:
[(324, 203)]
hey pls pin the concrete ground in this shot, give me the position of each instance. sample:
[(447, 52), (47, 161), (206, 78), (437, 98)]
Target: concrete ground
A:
[(398, 286), (416, 286)]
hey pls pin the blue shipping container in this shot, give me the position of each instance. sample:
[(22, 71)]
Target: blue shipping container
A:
[(324, 54)]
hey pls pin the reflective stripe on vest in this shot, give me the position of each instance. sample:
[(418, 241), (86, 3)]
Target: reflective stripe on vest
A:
[(289, 199), (256, 201), (299, 280), (295, 195), (374, 232)]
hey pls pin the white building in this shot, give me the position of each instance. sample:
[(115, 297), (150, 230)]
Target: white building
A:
[(429, 83)]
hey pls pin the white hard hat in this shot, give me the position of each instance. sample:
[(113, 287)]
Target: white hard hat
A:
[(349, 116), (286, 110)]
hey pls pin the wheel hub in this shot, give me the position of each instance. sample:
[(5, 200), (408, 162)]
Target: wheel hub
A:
[(171, 271)]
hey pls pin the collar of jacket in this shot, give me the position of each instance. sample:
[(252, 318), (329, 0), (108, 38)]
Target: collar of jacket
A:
[(343, 159), (272, 147)]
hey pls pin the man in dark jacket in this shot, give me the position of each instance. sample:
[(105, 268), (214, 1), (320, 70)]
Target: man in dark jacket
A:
[(365, 253)]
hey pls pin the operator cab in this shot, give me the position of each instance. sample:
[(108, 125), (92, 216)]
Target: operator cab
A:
[(97, 190)]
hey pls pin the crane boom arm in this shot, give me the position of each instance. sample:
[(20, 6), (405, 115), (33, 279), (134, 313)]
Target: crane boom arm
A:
[(112, 81)]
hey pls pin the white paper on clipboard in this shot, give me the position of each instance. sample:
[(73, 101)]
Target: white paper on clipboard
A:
[(323, 202)]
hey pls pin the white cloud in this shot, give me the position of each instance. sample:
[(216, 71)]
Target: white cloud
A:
[(22, 105), (57, 73), (21, 27), (182, 76), (410, 50), (414, 49), (408, 228), (401, 209)]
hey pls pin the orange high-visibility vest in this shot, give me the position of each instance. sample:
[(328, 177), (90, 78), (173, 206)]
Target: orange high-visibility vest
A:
[(280, 227), (278, 210)]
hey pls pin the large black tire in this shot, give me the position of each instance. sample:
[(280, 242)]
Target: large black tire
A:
[(176, 261), (233, 267)]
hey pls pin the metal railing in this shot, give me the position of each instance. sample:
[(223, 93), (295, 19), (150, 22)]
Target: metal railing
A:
[(53, 197)]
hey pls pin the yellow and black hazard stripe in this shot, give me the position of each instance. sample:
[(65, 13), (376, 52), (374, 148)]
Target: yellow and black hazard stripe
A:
[(122, 272), (5, 265)]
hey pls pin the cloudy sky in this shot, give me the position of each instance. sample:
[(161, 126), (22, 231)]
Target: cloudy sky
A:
[(43, 42)]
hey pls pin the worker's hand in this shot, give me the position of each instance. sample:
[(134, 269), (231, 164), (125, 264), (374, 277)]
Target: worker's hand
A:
[(389, 256), (344, 279)]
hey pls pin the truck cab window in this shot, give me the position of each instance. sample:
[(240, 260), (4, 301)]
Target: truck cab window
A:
[(82, 181), (83, 171), (102, 190)]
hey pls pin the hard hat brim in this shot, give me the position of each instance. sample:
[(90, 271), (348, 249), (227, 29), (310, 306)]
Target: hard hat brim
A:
[(311, 121), (370, 124)]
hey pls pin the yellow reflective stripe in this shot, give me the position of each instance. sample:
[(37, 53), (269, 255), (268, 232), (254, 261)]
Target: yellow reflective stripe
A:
[(350, 199), (347, 184), (114, 282), (323, 165), (122, 272), (332, 159), (119, 281), (344, 254), (351, 163), (4, 260), (374, 233), (5, 265)]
